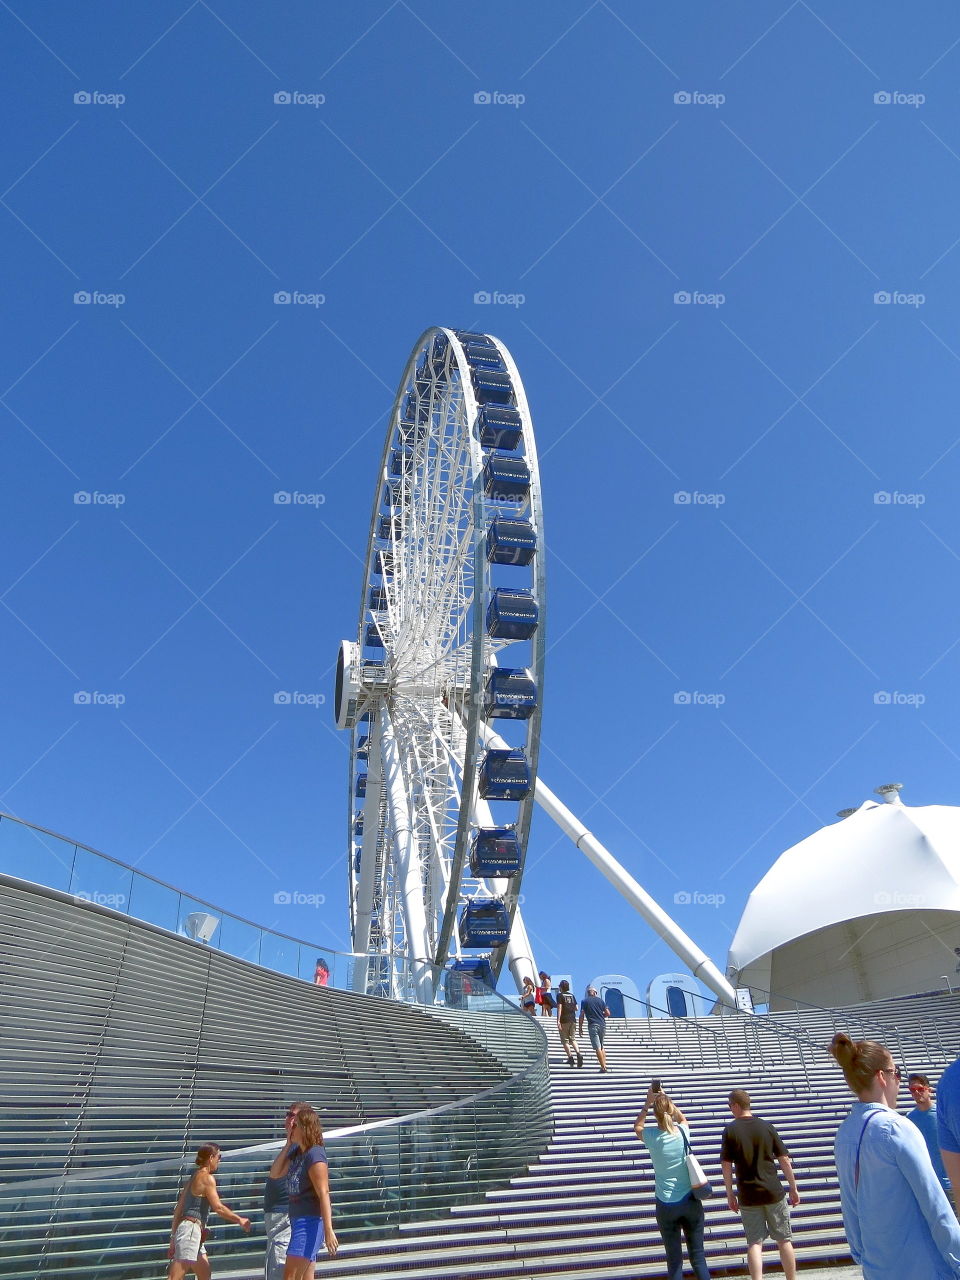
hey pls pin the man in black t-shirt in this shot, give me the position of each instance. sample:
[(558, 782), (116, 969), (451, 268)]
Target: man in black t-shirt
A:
[(750, 1146)]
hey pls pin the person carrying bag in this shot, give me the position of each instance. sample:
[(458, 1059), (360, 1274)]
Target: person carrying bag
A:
[(679, 1180)]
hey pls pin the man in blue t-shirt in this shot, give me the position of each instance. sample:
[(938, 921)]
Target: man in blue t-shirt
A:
[(924, 1116), (596, 1013)]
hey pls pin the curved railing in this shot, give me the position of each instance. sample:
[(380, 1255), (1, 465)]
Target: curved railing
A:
[(33, 853), (114, 1221), (383, 1175)]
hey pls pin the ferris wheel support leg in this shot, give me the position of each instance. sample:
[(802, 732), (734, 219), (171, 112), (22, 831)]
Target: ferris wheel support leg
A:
[(408, 860), (698, 963), (519, 954)]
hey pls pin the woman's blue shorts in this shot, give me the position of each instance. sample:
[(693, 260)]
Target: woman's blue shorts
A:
[(306, 1238)]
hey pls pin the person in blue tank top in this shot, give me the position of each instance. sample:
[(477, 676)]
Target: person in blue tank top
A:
[(189, 1228), (678, 1209), (308, 1185)]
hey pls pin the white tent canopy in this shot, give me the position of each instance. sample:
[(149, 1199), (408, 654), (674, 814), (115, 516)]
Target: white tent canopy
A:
[(864, 909)]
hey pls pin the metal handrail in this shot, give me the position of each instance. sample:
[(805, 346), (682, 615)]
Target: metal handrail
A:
[(886, 1033)]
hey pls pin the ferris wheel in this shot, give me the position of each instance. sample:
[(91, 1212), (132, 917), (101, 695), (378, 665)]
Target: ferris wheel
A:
[(442, 689), (450, 637)]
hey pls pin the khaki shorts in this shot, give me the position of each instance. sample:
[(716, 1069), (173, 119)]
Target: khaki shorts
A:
[(568, 1032), (762, 1220), (187, 1246)]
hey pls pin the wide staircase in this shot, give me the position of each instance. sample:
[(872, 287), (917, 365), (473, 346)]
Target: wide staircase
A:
[(585, 1207)]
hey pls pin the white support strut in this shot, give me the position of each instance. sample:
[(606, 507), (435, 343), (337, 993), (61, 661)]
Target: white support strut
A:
[(697, 962), (408, 855)]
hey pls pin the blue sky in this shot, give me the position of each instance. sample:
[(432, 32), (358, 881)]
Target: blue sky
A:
[(752, 532)]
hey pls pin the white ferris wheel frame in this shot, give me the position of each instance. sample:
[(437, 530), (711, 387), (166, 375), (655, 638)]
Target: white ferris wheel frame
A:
[(425, 732)]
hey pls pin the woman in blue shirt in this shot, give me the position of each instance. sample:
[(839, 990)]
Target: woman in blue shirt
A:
[(898, 1221), (678, 1209), (308, 1185)]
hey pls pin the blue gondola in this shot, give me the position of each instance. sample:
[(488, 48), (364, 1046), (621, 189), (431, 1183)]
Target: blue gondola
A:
[(486, 358), (401, 460), (408, 409), (383, 563), (478, 967), (510, 693), (475, 339), (495, 851), (510, 541), (512, 614), (361, 788), (363, 747), (461, 980), (491, 387), (390, 527), (372, 637), (499, 426), (438, 354), (378, 598), (485, 922), (396, 494), (358, 824), (356, 862), (504, 775), (506, 478)]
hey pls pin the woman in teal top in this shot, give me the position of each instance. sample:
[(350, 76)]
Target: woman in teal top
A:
[(678, 1209)]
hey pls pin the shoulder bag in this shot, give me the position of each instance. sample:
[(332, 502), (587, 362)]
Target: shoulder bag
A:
[(699, 1184)]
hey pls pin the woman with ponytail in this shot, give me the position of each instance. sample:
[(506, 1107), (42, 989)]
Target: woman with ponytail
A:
[(898, 1221), (678, 1209)]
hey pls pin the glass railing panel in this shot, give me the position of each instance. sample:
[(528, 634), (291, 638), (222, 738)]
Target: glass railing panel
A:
[(198, 921), (154, 902), (100, 880), (35, 855), (240, 939), (280, 954)]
